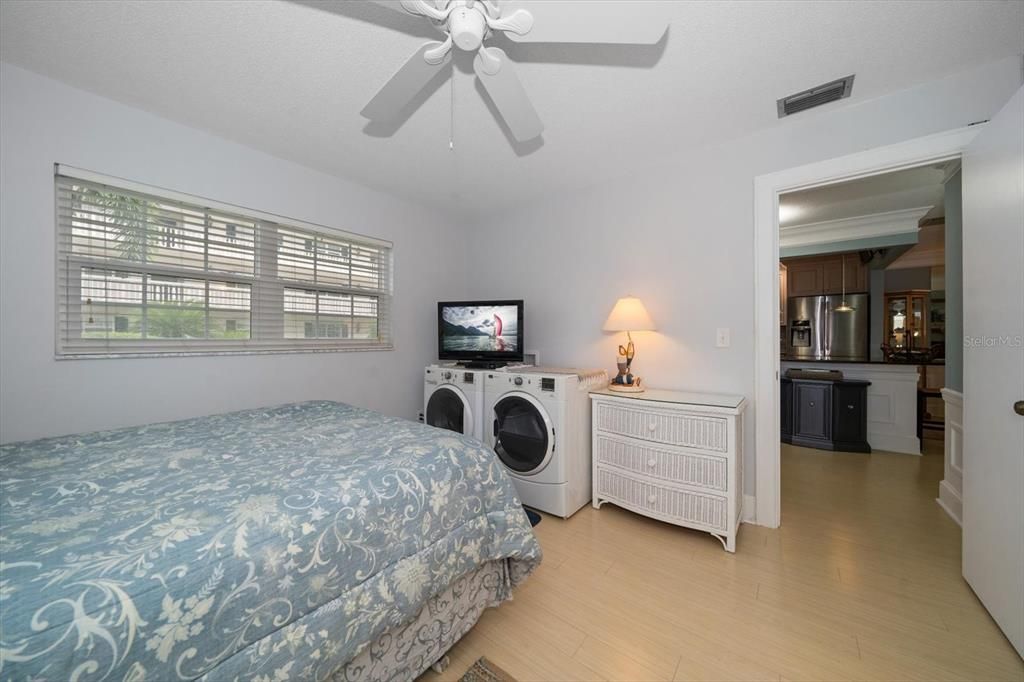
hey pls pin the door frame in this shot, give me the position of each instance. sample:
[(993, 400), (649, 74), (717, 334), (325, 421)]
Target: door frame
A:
[(935, 148)]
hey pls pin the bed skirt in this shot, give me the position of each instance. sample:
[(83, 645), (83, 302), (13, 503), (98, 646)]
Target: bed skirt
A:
[(404, 652)]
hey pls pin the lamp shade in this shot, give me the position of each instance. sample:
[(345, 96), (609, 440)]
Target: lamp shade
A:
[(629, 315)]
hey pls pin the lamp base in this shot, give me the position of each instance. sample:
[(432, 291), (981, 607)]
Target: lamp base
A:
[(626, 388)]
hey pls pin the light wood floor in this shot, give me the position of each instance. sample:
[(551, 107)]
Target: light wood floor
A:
[(861, 582)]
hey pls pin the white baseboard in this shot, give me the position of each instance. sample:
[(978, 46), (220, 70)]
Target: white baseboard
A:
[(907, 445), (950, 501), (749, 509)]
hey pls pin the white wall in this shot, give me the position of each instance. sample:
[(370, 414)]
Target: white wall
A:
[(679, 235), (43, 122)]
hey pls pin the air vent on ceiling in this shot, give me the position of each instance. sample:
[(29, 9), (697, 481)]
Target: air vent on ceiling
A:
[(816, 96)]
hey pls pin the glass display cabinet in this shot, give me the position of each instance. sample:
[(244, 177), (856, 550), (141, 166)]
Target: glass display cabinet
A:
[(906, 320)]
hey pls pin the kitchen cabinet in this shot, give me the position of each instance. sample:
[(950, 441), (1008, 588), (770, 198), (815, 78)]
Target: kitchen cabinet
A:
[(804, 278), (825, 414), (812, 405), (856, 275), (832, 276), (906, 320), (859, 273), (849, 416), (891, 400), (818, 275), (786, 408)]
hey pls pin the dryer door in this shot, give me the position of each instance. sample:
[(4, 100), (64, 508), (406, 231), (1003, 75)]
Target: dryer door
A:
[(523, 437), (449, 409)]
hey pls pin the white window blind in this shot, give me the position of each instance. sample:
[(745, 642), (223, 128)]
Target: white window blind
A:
[(143, 272)]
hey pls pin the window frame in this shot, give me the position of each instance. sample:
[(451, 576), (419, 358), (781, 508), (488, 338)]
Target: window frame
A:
[(267, 314)]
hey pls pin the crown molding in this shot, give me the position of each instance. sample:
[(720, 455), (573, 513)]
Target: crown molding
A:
[(951, 169), (858, 227)]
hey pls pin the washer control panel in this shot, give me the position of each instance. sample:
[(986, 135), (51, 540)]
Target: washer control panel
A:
[(434, 375), (539, 383)]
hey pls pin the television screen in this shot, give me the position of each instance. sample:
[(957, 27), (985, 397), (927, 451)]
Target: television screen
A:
[(482, 330)]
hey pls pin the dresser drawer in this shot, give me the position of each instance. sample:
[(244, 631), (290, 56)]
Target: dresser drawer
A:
[(681, 506), (704, 471), (669, 427)]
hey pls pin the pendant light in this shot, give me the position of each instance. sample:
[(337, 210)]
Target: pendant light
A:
[(844, 307)]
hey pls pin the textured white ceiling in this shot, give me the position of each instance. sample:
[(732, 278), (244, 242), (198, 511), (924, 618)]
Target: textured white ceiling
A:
[(910, 188), (290, 78)]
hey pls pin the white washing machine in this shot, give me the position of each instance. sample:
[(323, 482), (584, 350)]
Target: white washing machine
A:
[(453, 399), (538, 422)]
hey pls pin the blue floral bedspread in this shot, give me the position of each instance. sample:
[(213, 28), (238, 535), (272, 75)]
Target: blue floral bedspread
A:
[(269, 544)]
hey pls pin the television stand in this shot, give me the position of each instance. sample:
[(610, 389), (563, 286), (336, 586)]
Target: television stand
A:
[(481, 364)]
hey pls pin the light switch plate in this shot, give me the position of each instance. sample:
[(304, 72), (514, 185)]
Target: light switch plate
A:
[(722, 337)]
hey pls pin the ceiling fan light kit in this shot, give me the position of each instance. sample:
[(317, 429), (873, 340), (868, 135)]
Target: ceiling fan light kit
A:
[(467, 24)]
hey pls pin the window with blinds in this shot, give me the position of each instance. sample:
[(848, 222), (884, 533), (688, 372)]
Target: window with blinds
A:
[(144, 272)]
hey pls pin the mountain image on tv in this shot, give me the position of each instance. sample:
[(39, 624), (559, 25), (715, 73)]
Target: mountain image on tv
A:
[(480, 328)]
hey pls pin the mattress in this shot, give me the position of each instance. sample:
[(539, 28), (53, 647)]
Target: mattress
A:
[(268, 544)]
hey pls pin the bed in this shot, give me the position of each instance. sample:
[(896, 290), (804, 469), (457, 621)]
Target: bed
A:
[(308, 541)]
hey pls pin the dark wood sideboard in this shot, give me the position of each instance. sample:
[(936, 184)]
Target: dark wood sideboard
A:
[(825, 414)]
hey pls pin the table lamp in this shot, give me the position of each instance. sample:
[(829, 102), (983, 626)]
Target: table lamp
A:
[(628, 315)]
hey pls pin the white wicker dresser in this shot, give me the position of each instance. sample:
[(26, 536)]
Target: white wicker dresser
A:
[(673, 456)]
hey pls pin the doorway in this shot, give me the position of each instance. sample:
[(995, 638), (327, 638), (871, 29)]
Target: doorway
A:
[(993, 342), (863, 282), (934, 149)]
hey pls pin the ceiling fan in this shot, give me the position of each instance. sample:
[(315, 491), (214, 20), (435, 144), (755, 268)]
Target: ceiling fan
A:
[(467, 24)]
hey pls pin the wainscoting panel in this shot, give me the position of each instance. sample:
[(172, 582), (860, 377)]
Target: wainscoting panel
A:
[(951, 487), (880, 408)]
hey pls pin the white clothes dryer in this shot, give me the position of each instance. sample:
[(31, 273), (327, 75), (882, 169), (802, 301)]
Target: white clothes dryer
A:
[(538, 422)]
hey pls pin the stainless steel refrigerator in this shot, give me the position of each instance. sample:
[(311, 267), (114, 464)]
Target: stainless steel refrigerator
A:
[(817, 331)]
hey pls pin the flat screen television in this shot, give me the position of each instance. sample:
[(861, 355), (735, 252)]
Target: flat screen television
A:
[(480, 331)]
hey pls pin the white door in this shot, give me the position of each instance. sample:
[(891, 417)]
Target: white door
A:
[(993, 489)]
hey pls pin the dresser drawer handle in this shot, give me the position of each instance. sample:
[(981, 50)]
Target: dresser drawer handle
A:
[(651, 463), (652, 498)]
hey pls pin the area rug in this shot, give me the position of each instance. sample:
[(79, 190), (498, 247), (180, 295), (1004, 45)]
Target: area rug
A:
[(485, 671)]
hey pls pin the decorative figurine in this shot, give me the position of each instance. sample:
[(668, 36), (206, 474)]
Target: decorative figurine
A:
[(625, 378)]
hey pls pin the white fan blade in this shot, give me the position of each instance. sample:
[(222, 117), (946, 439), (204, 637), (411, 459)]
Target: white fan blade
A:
[(499, 78), (604, 21), (403, 86)]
